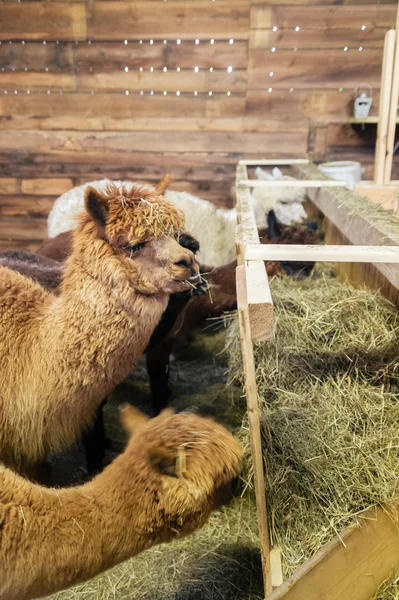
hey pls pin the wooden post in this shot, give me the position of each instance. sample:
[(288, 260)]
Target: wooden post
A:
[(385, 101), (260, 304), (393, 109), (254, 424)]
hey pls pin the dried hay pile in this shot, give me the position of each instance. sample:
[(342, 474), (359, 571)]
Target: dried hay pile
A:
[(389, 590), (329, 390)]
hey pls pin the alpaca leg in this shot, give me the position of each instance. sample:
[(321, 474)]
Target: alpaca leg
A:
[(158, 373), (95, 442)]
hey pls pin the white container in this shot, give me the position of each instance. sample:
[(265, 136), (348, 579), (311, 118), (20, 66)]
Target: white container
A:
[(363, 101), (348, 170)]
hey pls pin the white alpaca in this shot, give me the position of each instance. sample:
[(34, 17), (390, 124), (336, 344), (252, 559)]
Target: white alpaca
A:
[(213, 227)]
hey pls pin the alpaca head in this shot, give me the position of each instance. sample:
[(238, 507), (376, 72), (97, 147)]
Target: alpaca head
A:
[(192, 461), (278, 233), (142, 230)]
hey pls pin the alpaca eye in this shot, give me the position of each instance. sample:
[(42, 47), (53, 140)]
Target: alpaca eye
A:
[(135, 247)]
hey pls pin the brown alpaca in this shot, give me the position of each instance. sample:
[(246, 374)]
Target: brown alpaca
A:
[(45, 271), (175, 470), (60, 247), (60, 356)]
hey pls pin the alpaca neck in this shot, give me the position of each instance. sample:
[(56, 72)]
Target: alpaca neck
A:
[(101, 312)]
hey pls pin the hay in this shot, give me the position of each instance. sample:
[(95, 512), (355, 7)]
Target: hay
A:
[(377, 216), (389, 590), (329, 391)]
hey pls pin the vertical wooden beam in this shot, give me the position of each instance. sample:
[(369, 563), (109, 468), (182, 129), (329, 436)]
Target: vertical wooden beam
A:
[(260, 304), (393, 109), (254, 424), (385, 100)]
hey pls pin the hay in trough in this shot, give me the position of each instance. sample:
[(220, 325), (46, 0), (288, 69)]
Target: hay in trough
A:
[(357, 204), (389, 589), (329, 392)]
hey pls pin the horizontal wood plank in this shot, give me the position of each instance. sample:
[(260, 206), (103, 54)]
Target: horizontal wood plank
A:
[(115, 56), (318, 105), (37, 56), (43, 21), (113, 20), (307, 69), (105, 105), (31, 81), (125, 143), (185, 81), (71, 122), (319, 39), (323, 17), (25, 206)]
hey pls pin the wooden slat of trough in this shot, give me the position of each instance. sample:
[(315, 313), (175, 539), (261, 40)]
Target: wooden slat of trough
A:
[(260, 302), (328, 253), (355, 227), (251, 393), (352, 566), (316, 183)]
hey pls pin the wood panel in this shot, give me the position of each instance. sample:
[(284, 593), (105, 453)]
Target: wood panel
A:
[(37, 56), (115, 56), (83, 142), (224, 18), (106, 105), (185, 81), (371, 37), (43, 21), (352, 566), (244, 123), (307, 69), (315, 104), (323, 17)]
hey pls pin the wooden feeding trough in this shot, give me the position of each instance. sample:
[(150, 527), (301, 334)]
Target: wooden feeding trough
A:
[(355, 563)]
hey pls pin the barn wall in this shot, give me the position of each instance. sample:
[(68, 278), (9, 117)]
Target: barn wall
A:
[(66, 116)]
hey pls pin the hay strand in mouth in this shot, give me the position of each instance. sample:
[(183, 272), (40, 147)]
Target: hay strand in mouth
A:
[(329, 392)]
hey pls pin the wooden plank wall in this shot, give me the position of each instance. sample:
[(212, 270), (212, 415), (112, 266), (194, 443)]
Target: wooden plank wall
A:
[(134, 88)]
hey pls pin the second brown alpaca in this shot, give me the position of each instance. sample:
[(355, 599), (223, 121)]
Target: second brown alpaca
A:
[(175, 470)]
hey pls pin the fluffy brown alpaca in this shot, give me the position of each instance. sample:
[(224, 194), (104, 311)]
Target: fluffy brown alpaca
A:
[(59, 356), (175, 470), (60, 247)]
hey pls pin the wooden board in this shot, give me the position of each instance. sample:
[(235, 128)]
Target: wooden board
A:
[(309, 69), (115, 56), (385, 195), (260, 304), (352, 566), (316, 104), (224, 18), (254, 423), (43, 21), (323, 17), (328, 37), (357, 230), (60, 141)]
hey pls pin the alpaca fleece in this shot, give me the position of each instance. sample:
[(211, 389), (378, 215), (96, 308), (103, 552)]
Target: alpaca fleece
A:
[(175, 470), (60, 356)]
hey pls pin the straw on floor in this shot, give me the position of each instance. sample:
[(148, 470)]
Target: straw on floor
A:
[(329, 391)]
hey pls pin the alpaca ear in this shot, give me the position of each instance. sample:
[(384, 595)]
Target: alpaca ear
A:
[(273, 228), (131, 418), (96, 206), (163, 461), (187, 241), (163, 184)]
